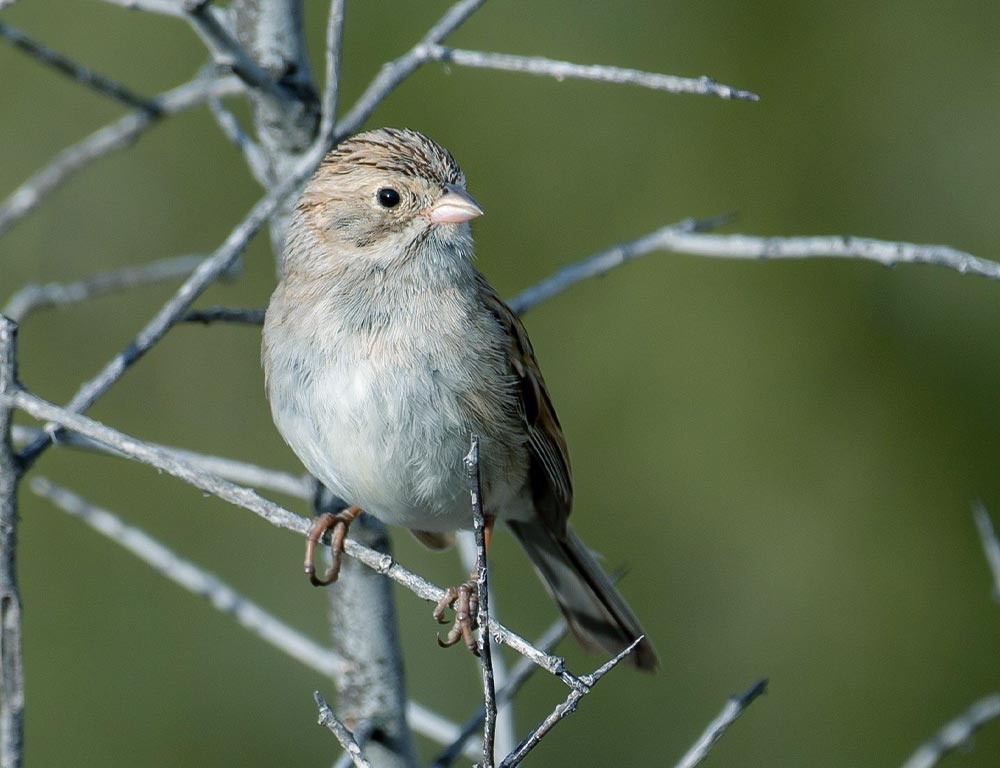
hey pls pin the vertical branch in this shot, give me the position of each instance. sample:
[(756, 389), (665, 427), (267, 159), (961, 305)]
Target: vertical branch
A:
[(482, 588), (11, 661), (272, 31), (365, 631)]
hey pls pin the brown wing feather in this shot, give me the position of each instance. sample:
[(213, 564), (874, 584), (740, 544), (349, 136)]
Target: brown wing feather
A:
[(552, 480)]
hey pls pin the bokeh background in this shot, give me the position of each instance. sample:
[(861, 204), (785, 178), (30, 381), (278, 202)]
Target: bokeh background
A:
[(783, 454)]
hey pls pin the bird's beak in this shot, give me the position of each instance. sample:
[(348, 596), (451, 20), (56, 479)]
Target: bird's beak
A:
[(453, 207)]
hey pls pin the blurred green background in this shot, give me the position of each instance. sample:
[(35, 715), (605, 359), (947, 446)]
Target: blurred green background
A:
[(783, 454)]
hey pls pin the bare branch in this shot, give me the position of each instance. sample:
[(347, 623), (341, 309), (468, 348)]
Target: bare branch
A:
[(733, 709), (518, 677), (563, 70), (111, 138), (175, 308), (269, 511), (193, 578), (11, 656), (604, 261), (956, 733), (506, 738), (244, 473), (395, 72), (362, 733), (253, 155), (329, 721), (33, 297), (226, 52), (331, 87), (482, 587), (887, 253), (225, 599), (83, 75), (991, 546), (687, 237), (567, 707)]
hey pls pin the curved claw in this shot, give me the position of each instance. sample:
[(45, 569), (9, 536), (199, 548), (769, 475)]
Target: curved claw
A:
[(339, 524), (466, 599)]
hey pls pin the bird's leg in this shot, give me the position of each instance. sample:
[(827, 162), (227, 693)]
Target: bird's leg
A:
[(339, 524), (466, 599)]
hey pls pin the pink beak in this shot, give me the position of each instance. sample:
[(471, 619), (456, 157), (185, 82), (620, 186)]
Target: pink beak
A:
[(453, 207)]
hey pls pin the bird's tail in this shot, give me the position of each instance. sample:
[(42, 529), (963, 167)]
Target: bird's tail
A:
[(597, 614)]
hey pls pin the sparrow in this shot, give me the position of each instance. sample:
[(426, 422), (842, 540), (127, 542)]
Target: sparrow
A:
[(384, 350)]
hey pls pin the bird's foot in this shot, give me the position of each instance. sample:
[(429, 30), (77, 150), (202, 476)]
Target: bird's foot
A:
[(339, 524), (466, 599)]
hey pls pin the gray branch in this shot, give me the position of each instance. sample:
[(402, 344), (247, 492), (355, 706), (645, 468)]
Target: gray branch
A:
[(112, 137), (225, 599), (66, 66), (483, 591), (991, 546), (518, 677), (253, 155), (567, 707), (194, 579), (278, 516), (177, 306), (242, 472), (33, 297), (330, 721), (564, 70), (11, 657), (729, 714), (331, 85), (395, 72), (956, 733)]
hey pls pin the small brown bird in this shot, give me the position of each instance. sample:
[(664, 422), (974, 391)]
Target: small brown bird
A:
[(384, 349)]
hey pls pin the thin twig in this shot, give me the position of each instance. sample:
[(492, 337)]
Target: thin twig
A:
[(518, 677), (225, 599), (112, 137), (733, 709), (563, 70), (506, 738), (193, 578), (226, 52), (271, 512), (253, 155), (604, 261), (567, 707), (242, 472), (331, 87), (884, 252), (329, 721), (177, 306), (11, 655), (83, 75), (395, 72), (991, 545), (956, 733), (472, 476), (362, 733), (33, 297)]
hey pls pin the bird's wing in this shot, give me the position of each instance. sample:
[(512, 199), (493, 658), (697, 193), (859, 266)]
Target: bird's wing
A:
[(551, 477)]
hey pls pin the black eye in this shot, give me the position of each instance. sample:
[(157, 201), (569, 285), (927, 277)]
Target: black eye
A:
[(388, 197)]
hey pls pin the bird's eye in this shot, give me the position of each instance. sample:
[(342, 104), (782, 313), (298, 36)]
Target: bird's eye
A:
[(388, 197)]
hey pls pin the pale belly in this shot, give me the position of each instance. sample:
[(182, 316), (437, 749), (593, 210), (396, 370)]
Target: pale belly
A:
[(392, 441)]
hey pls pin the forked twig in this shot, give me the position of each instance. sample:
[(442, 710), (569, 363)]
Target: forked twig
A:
[(567, 707)]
